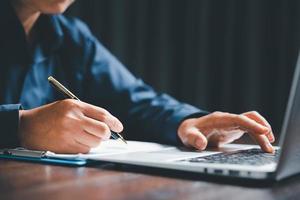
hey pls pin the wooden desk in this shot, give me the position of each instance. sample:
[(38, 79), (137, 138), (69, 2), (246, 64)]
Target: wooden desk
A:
[(21, 180)]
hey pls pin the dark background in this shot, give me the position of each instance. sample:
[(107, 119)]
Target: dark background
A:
[(228, 55)]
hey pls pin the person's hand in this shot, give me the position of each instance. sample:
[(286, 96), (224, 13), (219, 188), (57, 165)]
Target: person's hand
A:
[(66, 126), (221, 128)]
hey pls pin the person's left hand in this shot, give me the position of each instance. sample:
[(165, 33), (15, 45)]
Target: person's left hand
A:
[(220, 128)]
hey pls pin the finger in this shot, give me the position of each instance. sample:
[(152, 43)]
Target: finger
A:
[(260, 119), (255, 114), (97, 128), (217, 138), (263, 142), (194, 138), (87, 139), (103, 115), (227, 120)]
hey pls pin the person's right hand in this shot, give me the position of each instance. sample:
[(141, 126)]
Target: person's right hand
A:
[(66, 126)]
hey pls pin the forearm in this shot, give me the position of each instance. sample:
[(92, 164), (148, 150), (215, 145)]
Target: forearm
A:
[(9, 125)]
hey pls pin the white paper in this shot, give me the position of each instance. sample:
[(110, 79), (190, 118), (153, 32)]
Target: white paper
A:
[(111, 147)]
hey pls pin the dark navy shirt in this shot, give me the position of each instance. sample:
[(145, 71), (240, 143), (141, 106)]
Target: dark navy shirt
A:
[(65, 49)]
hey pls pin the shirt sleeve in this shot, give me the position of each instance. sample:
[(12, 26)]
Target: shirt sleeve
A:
[(9, 124), (146, 114)]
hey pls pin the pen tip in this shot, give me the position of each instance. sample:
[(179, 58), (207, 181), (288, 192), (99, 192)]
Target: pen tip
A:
[(121, 138)]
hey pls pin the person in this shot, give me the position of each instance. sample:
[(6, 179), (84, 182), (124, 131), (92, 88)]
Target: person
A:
[(38, 41)]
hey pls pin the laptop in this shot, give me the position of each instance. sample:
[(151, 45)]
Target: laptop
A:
[(233, 160)]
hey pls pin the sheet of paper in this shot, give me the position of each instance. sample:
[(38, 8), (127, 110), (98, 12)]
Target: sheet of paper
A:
[(111, 147)]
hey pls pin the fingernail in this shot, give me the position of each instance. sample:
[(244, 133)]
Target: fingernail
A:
[(272, 138), (200, 144), (267, 130), (107, 137), (270, 148), (118, 125), (121, 128)]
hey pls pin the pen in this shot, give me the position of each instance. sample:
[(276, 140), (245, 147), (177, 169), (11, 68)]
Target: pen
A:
[(57, 85)]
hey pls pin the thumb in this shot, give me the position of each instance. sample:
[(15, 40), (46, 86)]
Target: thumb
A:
[(193, 137)]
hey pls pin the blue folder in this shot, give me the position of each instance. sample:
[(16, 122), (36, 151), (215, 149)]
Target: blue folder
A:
[(40, 157)]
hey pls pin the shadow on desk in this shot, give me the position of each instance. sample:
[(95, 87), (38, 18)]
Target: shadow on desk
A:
[(170, 173)]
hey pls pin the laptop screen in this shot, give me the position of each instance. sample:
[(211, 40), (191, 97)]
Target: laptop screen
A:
[(289, 160)]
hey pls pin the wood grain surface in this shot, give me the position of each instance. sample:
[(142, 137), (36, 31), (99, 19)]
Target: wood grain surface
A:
[(23, 180)]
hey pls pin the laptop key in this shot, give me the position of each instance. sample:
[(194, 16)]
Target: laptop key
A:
[(244, 157)]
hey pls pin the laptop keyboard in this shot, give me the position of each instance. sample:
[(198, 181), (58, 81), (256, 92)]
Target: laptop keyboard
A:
[(244, 157)]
